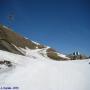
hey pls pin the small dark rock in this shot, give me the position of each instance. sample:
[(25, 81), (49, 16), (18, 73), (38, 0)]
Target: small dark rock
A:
[(7, 63)]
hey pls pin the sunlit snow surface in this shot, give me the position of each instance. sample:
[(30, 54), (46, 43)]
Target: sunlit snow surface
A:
[(35, 72)]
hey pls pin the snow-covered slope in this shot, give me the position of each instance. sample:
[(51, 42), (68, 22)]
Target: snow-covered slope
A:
[(35, 72)]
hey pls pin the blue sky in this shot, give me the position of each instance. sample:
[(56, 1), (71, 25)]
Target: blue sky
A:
[(61, 24)]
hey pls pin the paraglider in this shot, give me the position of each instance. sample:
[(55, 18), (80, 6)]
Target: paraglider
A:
[(11, 18)]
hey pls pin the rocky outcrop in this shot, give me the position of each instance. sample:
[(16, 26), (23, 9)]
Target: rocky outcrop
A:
[(77, 56)]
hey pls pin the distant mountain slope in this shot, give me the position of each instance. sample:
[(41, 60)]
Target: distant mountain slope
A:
[(15, 43)]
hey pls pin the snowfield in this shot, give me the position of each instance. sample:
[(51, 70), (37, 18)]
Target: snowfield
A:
[(35, 72)]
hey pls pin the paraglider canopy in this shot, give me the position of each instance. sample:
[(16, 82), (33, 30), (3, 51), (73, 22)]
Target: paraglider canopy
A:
[(11, 17)]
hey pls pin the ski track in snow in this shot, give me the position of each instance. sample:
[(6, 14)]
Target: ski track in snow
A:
[(35, 72)]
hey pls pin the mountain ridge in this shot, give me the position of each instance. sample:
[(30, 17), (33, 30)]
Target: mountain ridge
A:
[(13, 42)]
